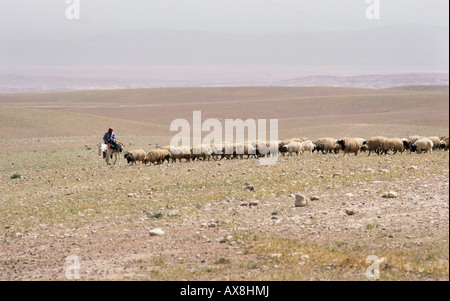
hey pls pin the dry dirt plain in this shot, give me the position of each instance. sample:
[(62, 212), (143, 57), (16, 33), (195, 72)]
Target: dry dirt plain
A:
[(67, 202)]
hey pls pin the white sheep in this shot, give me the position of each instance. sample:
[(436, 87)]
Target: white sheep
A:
[(294, 147), (201, 151), (307, 146), (421, 145), (180, 152)]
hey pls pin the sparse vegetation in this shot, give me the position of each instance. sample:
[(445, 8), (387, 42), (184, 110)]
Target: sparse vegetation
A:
[(16, 176), (67, 202)]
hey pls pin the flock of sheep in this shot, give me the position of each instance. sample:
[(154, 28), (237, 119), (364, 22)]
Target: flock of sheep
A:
[(380, 145)]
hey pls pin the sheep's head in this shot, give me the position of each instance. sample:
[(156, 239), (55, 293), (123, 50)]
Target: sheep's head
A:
[(282, 148), (341, 142), (405, 144), (129, 157), (413, 148)]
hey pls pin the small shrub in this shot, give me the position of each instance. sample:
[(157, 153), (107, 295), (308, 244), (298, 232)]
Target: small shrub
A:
[(157, 215), (16, 176), (222, 261)]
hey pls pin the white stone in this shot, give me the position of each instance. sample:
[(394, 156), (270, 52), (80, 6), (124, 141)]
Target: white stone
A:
[(156, 232)]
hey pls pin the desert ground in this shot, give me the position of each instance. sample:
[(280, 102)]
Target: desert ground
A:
[(228, 219)]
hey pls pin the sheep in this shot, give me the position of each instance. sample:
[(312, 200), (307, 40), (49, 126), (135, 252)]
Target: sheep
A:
[(157, 156), (406, 143), (337, 148), (360, 140), (201, 151), (307, 146), (350, 145), (181, 152), (264, 148), (393, 144), (294, 147), (444, 143), (364, 148), (374, 144), (282, 149), (216, 150), (227, 151), (325, 145), (286, 142), (135, 156), (423, 144), (436, 142), (412, 139), (241, 149), (282, 146), (301, 139), (270, 149)]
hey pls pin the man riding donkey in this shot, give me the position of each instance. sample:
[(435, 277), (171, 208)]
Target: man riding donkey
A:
[(110, 139)]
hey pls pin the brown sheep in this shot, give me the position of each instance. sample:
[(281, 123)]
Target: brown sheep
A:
[(436, 142), (444, 143), (349, 145), (374, 144), (325, 145), (157, 156), (135, 156), (393, 144)]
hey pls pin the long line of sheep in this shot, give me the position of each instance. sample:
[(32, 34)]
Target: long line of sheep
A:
[(379, 145)]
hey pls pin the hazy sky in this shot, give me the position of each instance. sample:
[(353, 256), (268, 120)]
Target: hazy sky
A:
[(36, 19)]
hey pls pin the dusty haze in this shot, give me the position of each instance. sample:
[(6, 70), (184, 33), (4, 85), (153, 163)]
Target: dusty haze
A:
[(134, 44)]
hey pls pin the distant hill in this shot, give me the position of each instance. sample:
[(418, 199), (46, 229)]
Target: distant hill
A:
[(370, 81), (373, 58), (13, 83)]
